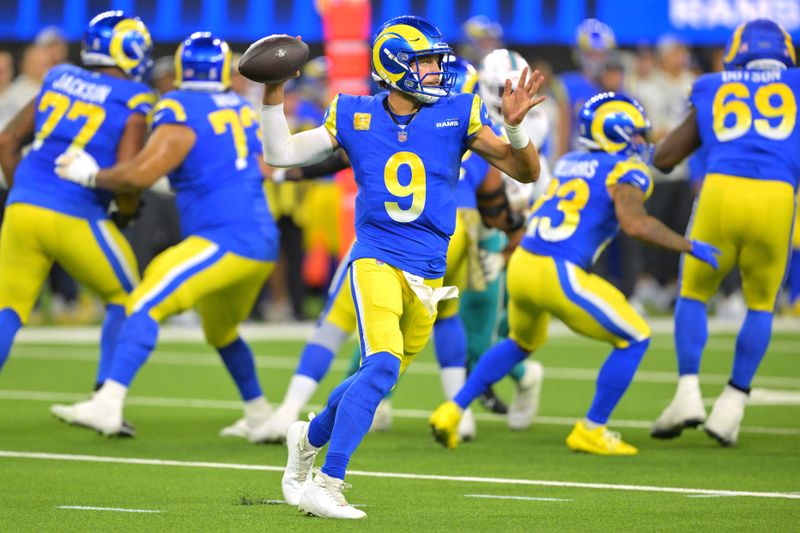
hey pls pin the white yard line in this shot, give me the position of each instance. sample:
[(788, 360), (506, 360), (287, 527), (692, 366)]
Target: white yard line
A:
[(173, 358), (115, 509), (523, 498), (234, 405), (399, 475), (293, 331)]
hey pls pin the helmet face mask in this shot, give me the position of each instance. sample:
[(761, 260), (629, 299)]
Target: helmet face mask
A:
[(493, 72), (113, 39), (203, 63), (615, 124), (759, 44), (398, 49)]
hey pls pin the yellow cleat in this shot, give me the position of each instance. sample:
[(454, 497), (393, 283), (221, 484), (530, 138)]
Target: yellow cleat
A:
[(444, 424), (599, 441)]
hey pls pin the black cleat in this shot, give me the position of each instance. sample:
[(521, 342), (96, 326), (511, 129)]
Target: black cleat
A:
[(492, 403)]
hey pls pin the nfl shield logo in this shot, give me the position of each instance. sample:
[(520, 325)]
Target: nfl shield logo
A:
[(402, 135)]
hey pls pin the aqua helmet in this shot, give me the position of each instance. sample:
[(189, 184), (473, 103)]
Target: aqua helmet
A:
[(203, 63), (113, 39), (610, 122), (396, 49), (760, 43)]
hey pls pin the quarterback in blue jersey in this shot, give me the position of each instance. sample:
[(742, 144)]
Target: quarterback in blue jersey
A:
[(592, 194), (745, 120), (405, 146), (206, 139), (477, 179), (101, 108)]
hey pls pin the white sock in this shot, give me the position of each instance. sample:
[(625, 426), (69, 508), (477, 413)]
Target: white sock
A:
[(688, 384), (453, 378), (300, 390), (591, 426), (112, 393), (257, 409)]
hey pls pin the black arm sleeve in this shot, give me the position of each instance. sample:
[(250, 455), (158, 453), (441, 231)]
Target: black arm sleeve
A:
[(336, 162)]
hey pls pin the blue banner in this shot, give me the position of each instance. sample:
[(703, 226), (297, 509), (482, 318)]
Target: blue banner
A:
[(528, 22)]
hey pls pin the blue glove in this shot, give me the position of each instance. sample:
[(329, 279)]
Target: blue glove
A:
[(706, 253)]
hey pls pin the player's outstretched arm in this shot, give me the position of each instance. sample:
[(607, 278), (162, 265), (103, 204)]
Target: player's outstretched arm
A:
[(517, 158), (634, 221), (281, 148), (165, 150), (678, 144), (17, 133)]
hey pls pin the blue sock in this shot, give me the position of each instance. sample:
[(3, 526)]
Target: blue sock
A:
[(794, 277), (9, 325), (321, 427), (613, 380), (314, 361), (238, 358), (115, 316), (751, 345), (450, 340), (357, 407), (137, 338), (691, 334), (491, 368)]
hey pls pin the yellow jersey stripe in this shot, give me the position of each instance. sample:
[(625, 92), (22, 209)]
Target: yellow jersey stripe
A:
[(475, 123), (330, 122), (142, 98), (623, 167)]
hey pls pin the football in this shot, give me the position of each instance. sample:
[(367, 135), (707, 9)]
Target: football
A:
[(273, 59)]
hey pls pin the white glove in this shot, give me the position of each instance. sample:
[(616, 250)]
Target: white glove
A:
[(492, 264), (77, 166)]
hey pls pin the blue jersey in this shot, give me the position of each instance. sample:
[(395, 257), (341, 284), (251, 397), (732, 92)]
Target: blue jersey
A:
[(406, 176), (577, 89), (473, 171), (76, 108), (747, 123), (575, 218), (218, 186)]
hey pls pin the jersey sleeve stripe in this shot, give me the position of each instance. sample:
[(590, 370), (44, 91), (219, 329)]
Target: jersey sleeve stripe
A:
[(475, 123), (148, 99), (172, 105), (623, 167), (330, 120)]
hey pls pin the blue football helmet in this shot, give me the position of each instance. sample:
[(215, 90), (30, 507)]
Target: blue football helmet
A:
[(203, 63), (114, 39), (396, 49), (594, 43), (466, 77), (759, 40), (610, 121)]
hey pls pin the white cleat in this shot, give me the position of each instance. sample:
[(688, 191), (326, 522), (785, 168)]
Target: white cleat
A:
[(252, 419), (274, 429), (382, 420), (301, 460), (467, 429), (525, 404), (726, 416), (324, 497), (91, 414), (685, 411)]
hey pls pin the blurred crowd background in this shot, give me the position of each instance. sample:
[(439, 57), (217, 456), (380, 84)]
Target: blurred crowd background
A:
[(656, 66)]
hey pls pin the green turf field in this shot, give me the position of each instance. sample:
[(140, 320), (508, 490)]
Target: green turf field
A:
[(190, 479)]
